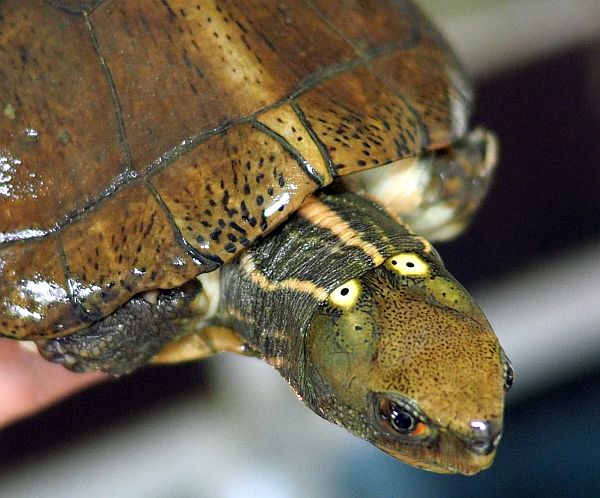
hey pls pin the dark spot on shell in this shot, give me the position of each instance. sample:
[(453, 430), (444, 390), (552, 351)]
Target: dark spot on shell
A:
[(236, 227)]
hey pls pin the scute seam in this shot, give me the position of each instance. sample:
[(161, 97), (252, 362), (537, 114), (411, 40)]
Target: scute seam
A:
[(415, 36), (210, 262), (113, 93), (305, 165), (81, 312), (315, 138), (75, 10)]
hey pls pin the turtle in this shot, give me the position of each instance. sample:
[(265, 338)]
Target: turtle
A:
[(185, 177)]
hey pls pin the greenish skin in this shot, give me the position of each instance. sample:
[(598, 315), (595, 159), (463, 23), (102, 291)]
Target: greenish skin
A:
[(409, 362)]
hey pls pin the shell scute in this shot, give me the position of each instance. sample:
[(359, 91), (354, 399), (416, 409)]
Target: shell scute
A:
[(127, 246), (34, 293), (236, 186), (55, 157), (362, 124), (372, 24)]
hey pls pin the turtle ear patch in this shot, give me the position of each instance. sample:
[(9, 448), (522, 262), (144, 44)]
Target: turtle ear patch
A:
[(346, 295), (408, 264)]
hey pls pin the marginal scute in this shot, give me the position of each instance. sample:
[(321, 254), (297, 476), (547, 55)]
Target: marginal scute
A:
[(286, 122), (428, 78), (34, 296), (127, 247), (242, 185), (434, 86), (362, 124)]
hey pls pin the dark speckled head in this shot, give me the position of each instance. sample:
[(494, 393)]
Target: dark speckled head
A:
[(406, 360)]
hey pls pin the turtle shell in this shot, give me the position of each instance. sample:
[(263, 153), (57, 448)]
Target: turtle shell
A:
[(143, 143)]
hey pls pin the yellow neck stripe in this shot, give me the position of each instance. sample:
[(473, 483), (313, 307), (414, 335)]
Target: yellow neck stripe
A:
[(323, 216), (248, 266)]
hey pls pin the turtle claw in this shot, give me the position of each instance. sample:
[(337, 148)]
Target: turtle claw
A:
[(53, 351)]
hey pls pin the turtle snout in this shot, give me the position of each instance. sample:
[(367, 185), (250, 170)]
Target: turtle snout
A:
[(485, 437)]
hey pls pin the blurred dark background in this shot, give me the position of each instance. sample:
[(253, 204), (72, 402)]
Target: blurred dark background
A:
[(546, 194)]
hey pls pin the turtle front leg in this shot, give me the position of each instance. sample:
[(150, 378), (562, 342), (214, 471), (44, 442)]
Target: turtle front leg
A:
[(137, 332), (436, 193)]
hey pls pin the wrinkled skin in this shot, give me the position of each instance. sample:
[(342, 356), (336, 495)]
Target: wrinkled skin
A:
[(409, 363)]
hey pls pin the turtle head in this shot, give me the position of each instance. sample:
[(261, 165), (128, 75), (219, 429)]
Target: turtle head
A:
[(402, 357)]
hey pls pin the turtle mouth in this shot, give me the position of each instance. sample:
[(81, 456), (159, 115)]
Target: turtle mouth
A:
[(453, 469), (470, 466)]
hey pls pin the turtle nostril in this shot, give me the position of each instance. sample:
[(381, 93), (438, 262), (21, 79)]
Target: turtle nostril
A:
[(485, 437), (483, 446)]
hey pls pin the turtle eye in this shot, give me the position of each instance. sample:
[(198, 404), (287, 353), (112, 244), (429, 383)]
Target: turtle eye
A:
[(509, 377), (408, 264), (346, 295), (509, 374), (394, 416)]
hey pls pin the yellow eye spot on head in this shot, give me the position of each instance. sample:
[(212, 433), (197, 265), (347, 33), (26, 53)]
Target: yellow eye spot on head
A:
[(346, 295), (409, 264)]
